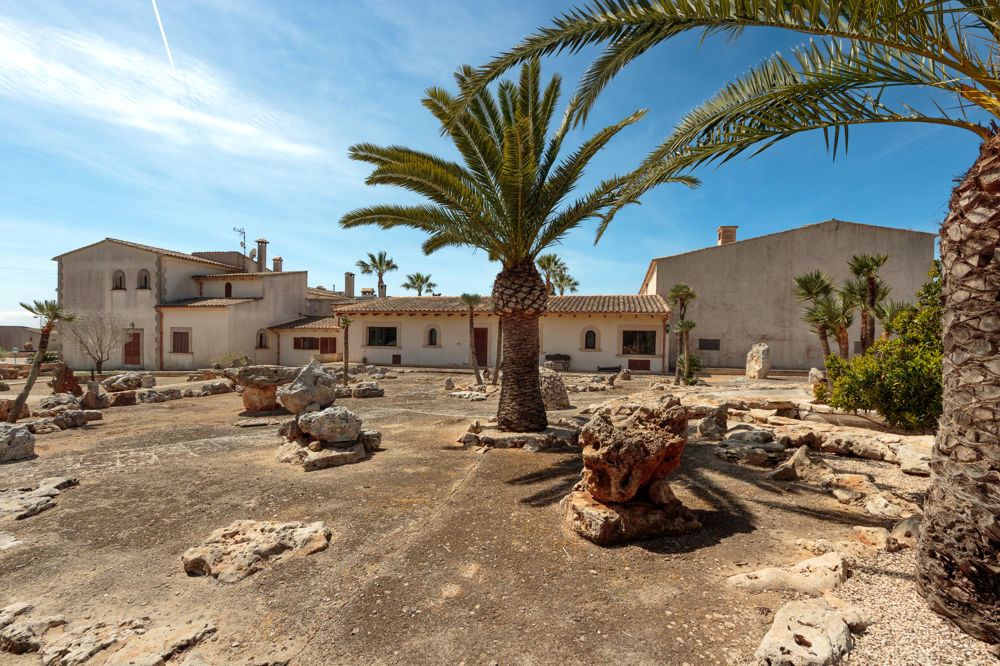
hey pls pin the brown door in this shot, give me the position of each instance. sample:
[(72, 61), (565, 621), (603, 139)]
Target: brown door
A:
[(328, 345), (481, 337), (638, 364), (133, 348)]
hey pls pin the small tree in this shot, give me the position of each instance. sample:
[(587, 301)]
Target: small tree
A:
[(679, 296), (471, 301), (564, 281), (99, 335), (51, 313), (810, 288), (418, 282), (346, 323), (866, 267), (684, 329)]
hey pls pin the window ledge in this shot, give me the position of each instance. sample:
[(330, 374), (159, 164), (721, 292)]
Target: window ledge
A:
[(637, 355), (181, 353), (379, 347), (590, 350)]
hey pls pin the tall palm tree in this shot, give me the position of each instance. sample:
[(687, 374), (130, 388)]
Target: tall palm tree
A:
[(418, 282), (472, 301), (857, 50), (507, 197), (685, 327), (51, 313), (809, 288), (550, 266), (563, 281), (866, 267), (378, 264), (679, 296)]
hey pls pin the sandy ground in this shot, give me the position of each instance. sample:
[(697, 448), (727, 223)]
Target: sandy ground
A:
[(439, 554)]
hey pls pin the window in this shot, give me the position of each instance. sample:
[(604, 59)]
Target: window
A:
[(381, 336), (305, 343), (709, 344), (262, 342), (328, 345), (180, 341), (432, 337), (639, 342), (118, 281), (142, 282), (590, 340), (857, 347), (229, 290)]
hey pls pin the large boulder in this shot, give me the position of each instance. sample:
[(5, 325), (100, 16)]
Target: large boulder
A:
[(810, 633), (554, 393), (261, 384), (16, 442), (125, 381), (95, 400), (64, 380), (59, 402), (7, 405), (333, 424), (122, 399), (758, 361), (314, 385), (621, 458)]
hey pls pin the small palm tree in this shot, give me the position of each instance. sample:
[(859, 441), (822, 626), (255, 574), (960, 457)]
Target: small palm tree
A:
[(684, 327), (563, 281), (550, 266), (472, 301), (837, 311), (345, 322), (51, 313), (378, 264), (866, 267), (679, 296), (815, 316), (887, 311), (418, 282), (809, 288)]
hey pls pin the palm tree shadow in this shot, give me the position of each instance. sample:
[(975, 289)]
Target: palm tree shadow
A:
[(565, 473)]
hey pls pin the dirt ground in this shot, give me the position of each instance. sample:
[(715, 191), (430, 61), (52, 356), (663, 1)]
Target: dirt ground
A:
[(439, 554)]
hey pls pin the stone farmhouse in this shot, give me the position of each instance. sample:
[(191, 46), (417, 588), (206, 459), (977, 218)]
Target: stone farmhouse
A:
[(745, 287), (590, 332)]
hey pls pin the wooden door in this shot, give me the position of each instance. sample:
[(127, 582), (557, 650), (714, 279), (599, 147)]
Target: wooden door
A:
[(638, 364), (132, 350), (481, 337), (328, 345)]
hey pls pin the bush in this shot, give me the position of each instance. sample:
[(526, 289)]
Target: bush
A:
[(3, 354), (696, 366)]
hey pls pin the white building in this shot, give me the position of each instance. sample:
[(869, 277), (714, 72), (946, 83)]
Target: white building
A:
[(593, 331)]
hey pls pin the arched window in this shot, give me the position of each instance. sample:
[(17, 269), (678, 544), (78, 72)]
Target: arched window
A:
[(142, 282), (590, 339), (229, 290), (262, 339), (118, 281), (432, 338)]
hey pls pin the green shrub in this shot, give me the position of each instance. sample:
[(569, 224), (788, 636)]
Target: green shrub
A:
[(3, 354), (692, 371)]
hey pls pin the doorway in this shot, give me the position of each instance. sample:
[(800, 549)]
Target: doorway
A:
[(132, 351), (481, 338)]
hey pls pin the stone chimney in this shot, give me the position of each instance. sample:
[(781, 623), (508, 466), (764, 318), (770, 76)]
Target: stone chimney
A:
[(261, 255), (349, 284), (727, 235), (381, 291), (277, 264)]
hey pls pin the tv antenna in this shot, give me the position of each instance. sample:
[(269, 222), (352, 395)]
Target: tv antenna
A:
[(242, 233)]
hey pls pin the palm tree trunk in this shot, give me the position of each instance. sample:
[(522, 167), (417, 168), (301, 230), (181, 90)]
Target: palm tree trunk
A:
[(496, 367), (346, 348), (677, 358), (519, 296), (687, 354), (824, 343), (36, 366), (472, 347), (870, 323), (958, 563), (844, 343)]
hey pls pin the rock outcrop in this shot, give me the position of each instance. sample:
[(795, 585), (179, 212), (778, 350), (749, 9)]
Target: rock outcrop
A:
[(327, 438), (260, 384), (812, 576), (810, 633), (758, 361), (16, 442), (20, 503)]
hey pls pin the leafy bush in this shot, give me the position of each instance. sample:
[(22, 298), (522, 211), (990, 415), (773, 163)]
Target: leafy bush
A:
[(899, 377), (3, 354)]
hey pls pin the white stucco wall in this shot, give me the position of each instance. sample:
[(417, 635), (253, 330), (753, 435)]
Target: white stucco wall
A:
[(208, 327), (291, 356), (564, 334)]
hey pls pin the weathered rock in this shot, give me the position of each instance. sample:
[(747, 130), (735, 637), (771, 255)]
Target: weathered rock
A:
[(290, 430), (810, 633), (449, 384), (64, 380), (816, 378), (92, 415), (313, 385), (215, 388), (367, 390), (71, 418), (234, 552), (621, 458), (8, 541), (7, 405), (260, 399), (887, 505), (334, 424), (877, 537), (714, 424), (20, 503), (202, 375), (767, 454), (469, 395), (95, 400), (315, 456), (27, 635), (798, 436), (914, 459), (122, 399), (16, 442), (371, 440), (554, 393), (802, 467), (750, 436), (758, 361), (812, 576), (59, 402), (260, 376), (860, 446), (4, 386), (124, 381), (42, 427), (556, 437), (906, 532), (624, 374), (610, 522)]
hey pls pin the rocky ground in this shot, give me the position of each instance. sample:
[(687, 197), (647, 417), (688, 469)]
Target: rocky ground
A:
[(437, 553)]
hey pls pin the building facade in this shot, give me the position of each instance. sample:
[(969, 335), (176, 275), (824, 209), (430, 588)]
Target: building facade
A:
[(745, 294)]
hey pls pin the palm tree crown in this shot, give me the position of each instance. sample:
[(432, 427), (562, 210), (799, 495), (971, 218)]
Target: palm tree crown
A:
[(680, 295), (418, 282), (550, 266), (51, 312), (812, 286), (378, 264), (564, 282)]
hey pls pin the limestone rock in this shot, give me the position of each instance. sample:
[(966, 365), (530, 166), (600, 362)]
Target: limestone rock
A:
[(758, 361), (750, 436), (122, 399), (201, 375), (324, 458), (234, 552), (798, 436), (42, 427), (333, 424), (28, 634), (768, 454), (260, 376), (367, 390), (64, 380), (888, 505), (290, 430), (260, 399), (313, 385), (16, 442), (810, 633), (8, 541), (554, 393), (7, 405), (802, 467), (877, 537), (474, 396), (914, 459), (624, 374), (621, 458), (906, 532), (817, 378), (714, 424), (95, 400), (59, 402), (449, 384), (72, 418), (93, 415), (371, 440), (813, 576), (859, 445), (21, 503), (610, 522), (124, 381)]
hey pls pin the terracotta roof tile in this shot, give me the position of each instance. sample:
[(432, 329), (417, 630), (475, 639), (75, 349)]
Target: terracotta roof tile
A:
[(309, 323), (625, 304), (207, 302)]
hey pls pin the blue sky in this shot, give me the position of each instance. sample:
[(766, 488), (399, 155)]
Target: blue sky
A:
[(102, 138)]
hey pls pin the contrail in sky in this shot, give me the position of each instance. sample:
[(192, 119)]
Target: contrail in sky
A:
[(164, 35)]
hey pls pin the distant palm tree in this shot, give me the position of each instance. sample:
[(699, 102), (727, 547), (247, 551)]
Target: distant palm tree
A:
[(679, 296), (472, 301), (345, 322), (685, 326), (508, 197), (837, 311), (378, 264), (809, 288), (51, 313), (550, 266), (419, 282), (887, 311), (816, 316), (866, 267), (563, 281)]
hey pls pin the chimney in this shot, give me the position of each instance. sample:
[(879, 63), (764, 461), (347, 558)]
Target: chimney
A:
[(261, 255), (277, 264), (381, 291), (349, 284), (727, 235)]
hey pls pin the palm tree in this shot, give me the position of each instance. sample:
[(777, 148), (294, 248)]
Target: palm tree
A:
[(887, 311), (418, 282), (684, 327), (550, 266), (858, 50), (563, 281), (866, 267), (496, 367), (507, 197), (837, 311), (51, 313), (472, 301), (816, 316), (345, 322), (679, 296), (378, 264), (809, 288)]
